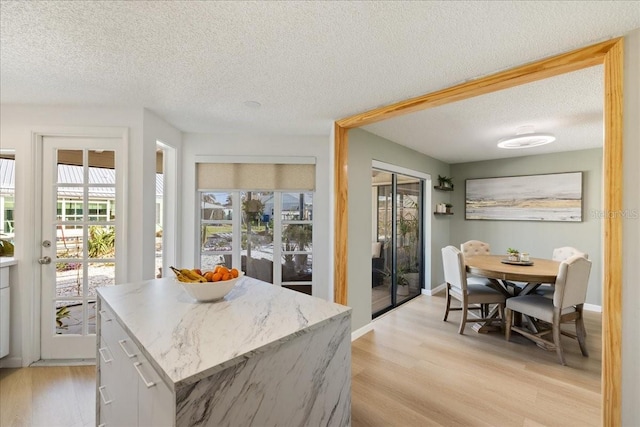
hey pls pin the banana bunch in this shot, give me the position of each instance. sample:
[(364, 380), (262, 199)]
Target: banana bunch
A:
[(189, 276)]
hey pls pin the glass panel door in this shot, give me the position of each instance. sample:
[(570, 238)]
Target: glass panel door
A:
[(408, 237), (382, 243), (79, 234), (256, 236), (397, 270)]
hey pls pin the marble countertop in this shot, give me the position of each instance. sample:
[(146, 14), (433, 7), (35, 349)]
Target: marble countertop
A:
[(186, 340), (7, 261)]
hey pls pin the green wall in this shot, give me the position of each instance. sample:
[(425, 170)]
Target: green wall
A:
[(537, 237), (365, 147)]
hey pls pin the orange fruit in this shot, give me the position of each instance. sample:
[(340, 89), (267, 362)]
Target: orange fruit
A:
[(234, 272), (216, 277)]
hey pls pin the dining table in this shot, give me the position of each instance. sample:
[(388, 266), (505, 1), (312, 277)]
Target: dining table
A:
[(504, 273)]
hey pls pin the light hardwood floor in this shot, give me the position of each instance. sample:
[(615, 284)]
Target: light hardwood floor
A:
[(49, 396), (412, 370)]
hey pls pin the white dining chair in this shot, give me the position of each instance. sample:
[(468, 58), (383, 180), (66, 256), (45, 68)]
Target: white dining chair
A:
[(566, 252), (545, 315), (471, 296), (476, 247), (559, 254)]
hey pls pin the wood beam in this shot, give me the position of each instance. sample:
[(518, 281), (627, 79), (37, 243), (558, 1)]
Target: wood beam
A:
[(560, 64), (612, 292), (341, 215), (608, 53)]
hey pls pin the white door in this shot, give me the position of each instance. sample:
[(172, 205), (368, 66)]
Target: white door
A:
[(81, 242)]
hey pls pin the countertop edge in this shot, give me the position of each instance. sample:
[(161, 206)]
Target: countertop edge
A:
[(174, 384), (260, 350), (6, 261)]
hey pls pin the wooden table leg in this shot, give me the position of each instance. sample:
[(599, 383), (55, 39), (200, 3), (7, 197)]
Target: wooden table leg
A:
[(487, 326)]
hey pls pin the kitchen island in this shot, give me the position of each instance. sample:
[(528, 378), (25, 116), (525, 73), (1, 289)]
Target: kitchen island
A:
[(262, 356)]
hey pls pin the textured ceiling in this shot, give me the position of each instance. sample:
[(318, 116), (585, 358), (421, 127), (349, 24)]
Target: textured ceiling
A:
[(570, 106), (308, 63)]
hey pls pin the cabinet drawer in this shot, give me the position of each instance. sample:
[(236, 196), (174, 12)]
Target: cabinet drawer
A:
[(105, 399), (107, 365), (109, 327), (115, 337), (156, 405), (4, 277)]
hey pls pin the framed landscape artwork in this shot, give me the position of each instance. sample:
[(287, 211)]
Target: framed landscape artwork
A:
[(548, 197)]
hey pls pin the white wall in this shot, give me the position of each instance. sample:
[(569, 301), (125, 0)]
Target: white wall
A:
[(262, 146), (156, 130), (18, 123), (631, 234)]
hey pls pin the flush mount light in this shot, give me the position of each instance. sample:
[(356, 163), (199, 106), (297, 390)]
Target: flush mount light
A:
[(252, 104), (526, 138)]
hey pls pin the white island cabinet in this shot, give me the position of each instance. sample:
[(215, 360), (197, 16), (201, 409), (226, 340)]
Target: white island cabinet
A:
[(5, 302), (262, 356)]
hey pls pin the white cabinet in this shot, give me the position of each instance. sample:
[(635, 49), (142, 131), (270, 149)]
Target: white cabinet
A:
[(153, 395), (130, 391), (5, 298)]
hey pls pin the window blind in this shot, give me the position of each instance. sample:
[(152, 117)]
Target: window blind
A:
[(256, 176)]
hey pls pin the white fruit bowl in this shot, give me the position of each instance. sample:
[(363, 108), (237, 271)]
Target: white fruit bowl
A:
[(210, 291)]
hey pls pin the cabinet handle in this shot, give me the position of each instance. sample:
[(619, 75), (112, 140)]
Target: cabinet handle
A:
[(101, 351), (101, 390), (103, 314), (129, 355), (149, 384)]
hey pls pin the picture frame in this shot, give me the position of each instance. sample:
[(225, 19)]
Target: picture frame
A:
[(544, 197)]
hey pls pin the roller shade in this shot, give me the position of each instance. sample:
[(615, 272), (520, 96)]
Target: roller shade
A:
[(256, 176)]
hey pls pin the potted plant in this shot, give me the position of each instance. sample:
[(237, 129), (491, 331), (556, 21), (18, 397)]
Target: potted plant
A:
[(403, 283), (299, 237), (445, 181), (513, 254), (448, 207)]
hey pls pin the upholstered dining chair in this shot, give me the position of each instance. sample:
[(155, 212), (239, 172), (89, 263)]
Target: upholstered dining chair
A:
[(545, 315), (566, 252), (559, 254), (476, 247), (471, 296)]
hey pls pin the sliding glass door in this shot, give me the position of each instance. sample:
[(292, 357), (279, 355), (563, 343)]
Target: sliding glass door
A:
[(398, 242)]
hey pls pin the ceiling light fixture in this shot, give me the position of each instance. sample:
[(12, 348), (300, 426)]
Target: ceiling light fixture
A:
[(252, 104), (526, 138)]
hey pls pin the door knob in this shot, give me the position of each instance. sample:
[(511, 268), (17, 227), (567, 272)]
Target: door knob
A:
[(44, 260)]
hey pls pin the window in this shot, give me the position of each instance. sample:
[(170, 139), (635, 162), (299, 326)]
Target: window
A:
[(265, 227), (7, 196), (239, 229)]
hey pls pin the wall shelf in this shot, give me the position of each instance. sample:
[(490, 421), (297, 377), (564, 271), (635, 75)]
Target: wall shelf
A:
[(437, 187), (443, 213)]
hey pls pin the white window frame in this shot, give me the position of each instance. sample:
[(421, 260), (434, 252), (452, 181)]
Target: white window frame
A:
[(236, 225)]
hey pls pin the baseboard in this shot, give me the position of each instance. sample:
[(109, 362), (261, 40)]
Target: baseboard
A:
[(11, 362), (434, 291), (360, 332), (65, 362), (592, 307)]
